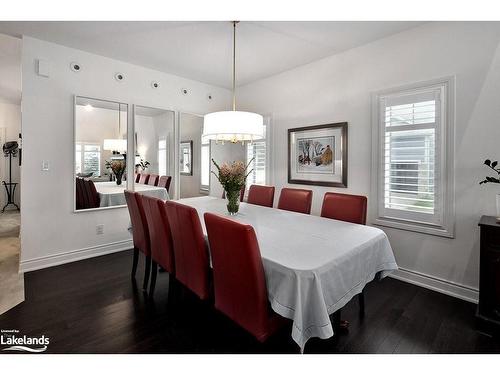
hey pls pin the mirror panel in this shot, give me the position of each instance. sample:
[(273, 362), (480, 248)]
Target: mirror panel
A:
[(194, 157), (100, 150), (154, 151)]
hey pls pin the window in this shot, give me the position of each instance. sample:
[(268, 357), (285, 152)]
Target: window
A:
[(88, 159), (413, 143), (205, 165), (258, 151), (162, 157)]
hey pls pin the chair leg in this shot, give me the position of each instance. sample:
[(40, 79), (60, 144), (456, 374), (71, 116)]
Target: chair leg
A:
[(154, 273), (361, 299), (134, 262), (147, 271)]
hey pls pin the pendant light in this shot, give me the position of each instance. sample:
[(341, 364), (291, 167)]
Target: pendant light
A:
[(233, 126)]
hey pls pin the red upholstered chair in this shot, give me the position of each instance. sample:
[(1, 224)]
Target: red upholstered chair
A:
[(140, 233), (144, 179), (164, 182), (86, 195), (192, 267), (80, 194), (350, 208), (93, 196), (261, 195), (345, 207), (239, 280), (242, 193), (153, 179), (297, 200), (137, 177), (160, 237)]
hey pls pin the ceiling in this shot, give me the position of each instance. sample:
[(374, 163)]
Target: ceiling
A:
[(203, 50)]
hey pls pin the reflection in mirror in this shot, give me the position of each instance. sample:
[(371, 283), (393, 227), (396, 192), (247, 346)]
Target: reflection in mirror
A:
[(154, 152), (194, 157), (100, 153), (186, 158)]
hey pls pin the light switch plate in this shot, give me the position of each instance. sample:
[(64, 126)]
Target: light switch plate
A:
[(45, 165), (43, 68)]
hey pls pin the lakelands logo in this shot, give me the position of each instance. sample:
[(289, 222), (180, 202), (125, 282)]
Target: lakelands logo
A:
[(22, 343)]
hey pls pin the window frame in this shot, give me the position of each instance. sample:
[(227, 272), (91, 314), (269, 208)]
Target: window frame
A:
[(267, 140), (205, 188), (82, 155), (165, 149), (444, 160)]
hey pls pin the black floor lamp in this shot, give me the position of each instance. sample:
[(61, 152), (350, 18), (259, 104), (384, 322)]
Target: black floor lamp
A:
[(10, 150)]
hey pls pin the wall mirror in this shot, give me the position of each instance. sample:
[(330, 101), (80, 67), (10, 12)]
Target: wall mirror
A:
[(100, 149), (154, 152), (185, 158), (194, 157)]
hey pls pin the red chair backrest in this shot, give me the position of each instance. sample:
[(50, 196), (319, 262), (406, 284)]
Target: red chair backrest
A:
[(137, 177), (261, 195), (94, 198), (165, 181), (80, 194), (297, 200), (190, 248), (242, 193), (153, 179), (345, 207), (144, 179), (239, 280), (160, 235), (140, 231)]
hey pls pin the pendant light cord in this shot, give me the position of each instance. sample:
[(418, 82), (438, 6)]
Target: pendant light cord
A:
[(234, 65)]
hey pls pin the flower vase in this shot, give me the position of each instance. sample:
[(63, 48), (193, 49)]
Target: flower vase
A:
[(233, 201), (118, 177)]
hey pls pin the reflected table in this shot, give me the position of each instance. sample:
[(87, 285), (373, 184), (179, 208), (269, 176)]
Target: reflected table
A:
[(111, 194)]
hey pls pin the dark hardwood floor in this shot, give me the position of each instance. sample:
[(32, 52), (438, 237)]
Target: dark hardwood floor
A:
[(92, 306)]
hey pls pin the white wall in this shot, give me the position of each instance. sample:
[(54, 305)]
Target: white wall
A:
[(10, 126), (50, 232), (339, 88), (10, 69)]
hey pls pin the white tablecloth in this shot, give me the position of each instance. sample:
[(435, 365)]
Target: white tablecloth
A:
[(313, 265), (112, 194)]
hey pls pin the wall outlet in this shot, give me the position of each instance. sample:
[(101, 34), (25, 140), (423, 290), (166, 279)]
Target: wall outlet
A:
[(99, 229), (45, 165)]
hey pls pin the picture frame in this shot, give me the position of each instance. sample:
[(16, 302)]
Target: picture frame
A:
[(317, 155), (186, 158)]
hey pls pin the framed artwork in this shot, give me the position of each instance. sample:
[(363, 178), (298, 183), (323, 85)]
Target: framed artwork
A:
[(186, 158), (317, 155)]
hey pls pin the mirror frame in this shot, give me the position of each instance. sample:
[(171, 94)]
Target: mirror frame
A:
[(127, 185), (176, 145)]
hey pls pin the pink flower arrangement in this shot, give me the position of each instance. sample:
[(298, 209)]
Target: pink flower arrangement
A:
[(232, 176)]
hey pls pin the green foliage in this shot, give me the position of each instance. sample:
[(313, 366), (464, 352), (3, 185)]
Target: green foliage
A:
[(143, 164), (492, 165)]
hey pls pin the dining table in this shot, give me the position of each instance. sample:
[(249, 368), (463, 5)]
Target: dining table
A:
[(111, 194), (313, 265)]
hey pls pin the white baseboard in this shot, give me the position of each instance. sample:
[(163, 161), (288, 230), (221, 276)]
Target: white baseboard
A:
[(439, 285), (74, 255)]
